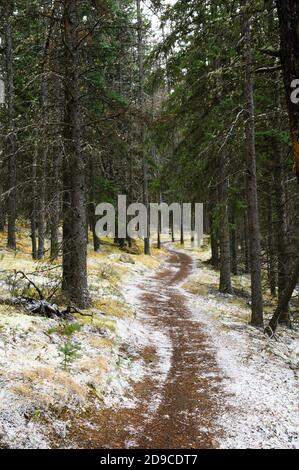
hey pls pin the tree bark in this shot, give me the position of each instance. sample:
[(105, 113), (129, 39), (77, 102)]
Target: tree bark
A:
[(281, 228), (288, 13), (141, 98), (55, 206), (159, 232), (234, 246), (272, 277), (246, 250), (213, 230), (74, 224), (41, 219), (252, 199), (33, 206), (172, 228), (2, 204), (182, 235), (11, 137), (92, 206), (225, 285)]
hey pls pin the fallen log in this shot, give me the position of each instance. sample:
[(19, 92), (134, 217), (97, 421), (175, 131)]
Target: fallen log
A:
[(42, 308)]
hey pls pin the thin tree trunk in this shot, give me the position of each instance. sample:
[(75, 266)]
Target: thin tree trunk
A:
[(92, 207), (141, 98), (33, 232), (192, 226), (41, 219), (252, 200), (182, 236), (272, 278), (225, 285), (234, 246), (246, 245), (10, 141), (159, 241), (172, 230), (2, 205), (54, 226), (55, 207), (213, 230), (33, 207)]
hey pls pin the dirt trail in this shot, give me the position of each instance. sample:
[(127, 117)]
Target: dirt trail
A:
[(176, 409)]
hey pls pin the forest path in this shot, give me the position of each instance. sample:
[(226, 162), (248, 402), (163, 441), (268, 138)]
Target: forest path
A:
[(177, 402)]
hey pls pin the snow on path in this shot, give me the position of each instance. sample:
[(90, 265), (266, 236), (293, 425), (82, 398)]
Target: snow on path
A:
[(260, 377), (182, 410), (178, 400), (212, 380)]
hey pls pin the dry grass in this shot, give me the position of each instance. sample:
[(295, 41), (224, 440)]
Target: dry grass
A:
[(22, 389), (39, 373), (113, 308), (197, 288), (64, 386), (103, 324), (98, 363), (100, 343)]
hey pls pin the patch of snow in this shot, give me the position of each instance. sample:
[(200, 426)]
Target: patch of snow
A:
[(144, 331), (260, 375), (32, 380)]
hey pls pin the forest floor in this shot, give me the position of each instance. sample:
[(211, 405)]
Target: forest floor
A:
[(211, 380), (177, 403), (259, 375), (166, 362)]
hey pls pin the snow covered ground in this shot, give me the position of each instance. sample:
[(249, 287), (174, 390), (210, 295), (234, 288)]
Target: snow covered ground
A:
[(261, 401), (259, 406), (38, 396)]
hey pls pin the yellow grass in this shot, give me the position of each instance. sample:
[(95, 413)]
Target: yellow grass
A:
[(113, 308), (100, 343)]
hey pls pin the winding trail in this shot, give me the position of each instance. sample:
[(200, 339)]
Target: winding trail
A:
[(177, 407)]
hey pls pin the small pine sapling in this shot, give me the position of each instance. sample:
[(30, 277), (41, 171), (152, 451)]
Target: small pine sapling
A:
[(70, 352)]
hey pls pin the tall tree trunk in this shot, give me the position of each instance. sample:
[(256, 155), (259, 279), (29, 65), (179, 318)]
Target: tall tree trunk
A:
[(234, 245), (55, 206), (159, 241), (11, 137), (288, 13), (225, 285), (92, 206), (281, 227), (33, 205), (246, 250), (272, 277), (192, 225), (2, 204), (172, 228), (213, 230), (41, 219), (54, 225), (141, 98), (252, 200), (74, 224), (182, 236)]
